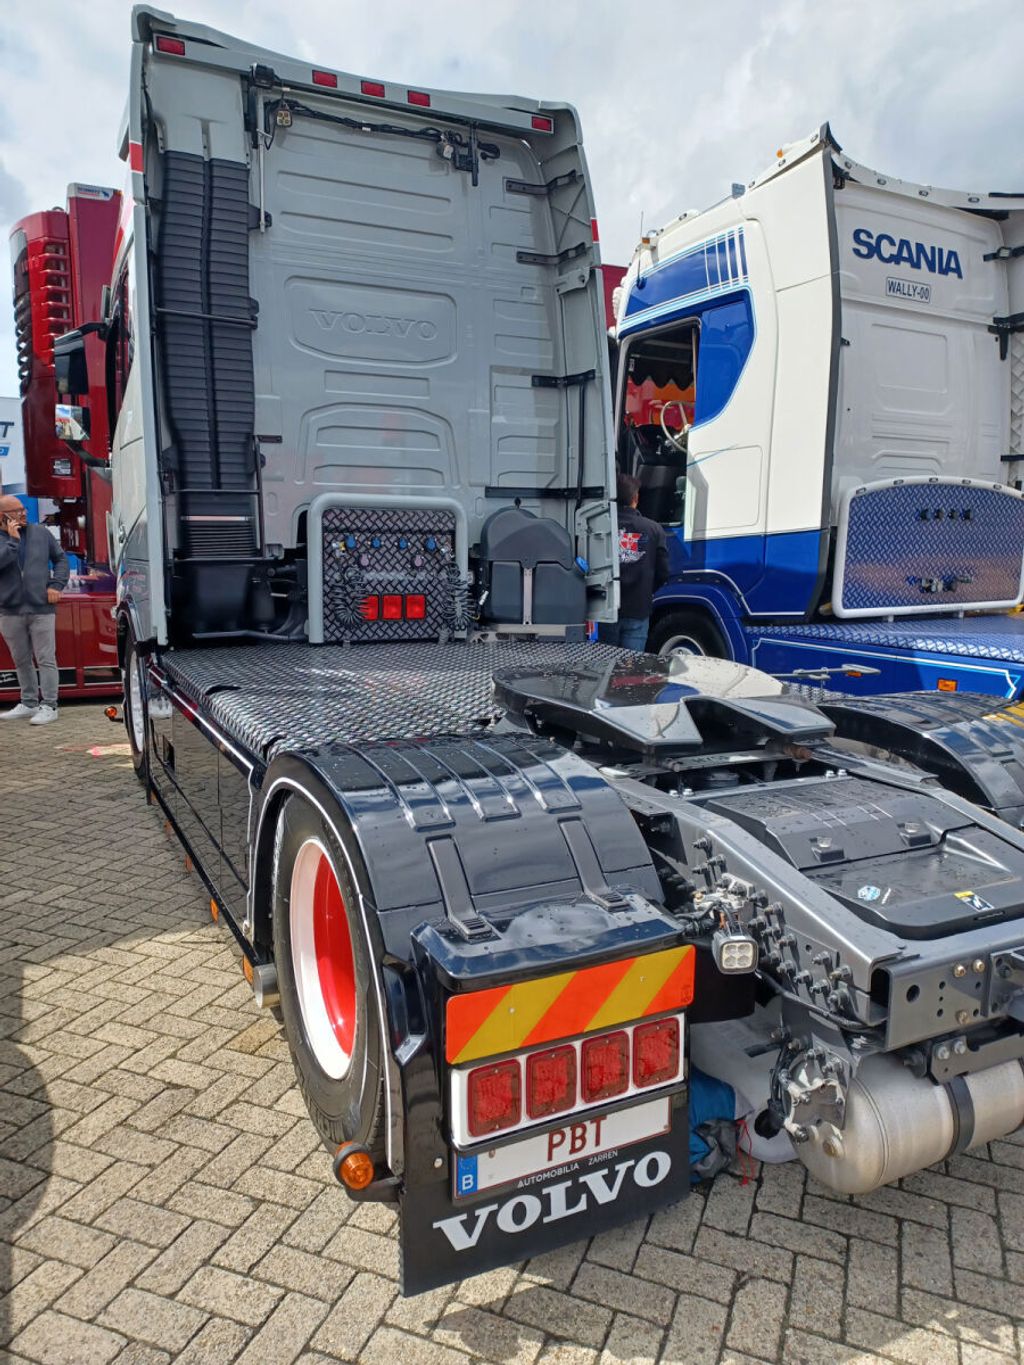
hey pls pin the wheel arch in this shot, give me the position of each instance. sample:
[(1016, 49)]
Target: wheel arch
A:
[(127, 623), (293, 775), (716, 604)]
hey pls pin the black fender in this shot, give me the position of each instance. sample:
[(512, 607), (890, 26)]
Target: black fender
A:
[(973, 744), (127, 621), (449, 842)]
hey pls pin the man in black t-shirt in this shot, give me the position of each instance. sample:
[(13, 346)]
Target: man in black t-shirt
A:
[(643, 567)]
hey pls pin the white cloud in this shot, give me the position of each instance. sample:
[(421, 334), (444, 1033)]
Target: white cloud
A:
[(677, 100)]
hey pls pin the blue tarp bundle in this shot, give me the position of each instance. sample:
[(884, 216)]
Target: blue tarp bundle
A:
[(712, 1125)]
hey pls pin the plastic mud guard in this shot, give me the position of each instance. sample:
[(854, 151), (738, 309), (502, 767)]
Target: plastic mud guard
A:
[(483, 866), (973, 744)]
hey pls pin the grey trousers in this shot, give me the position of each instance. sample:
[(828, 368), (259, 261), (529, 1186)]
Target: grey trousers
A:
[(26, 636)]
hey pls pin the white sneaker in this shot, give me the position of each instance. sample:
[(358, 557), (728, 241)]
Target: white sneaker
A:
[(19, 712), (44, 715)]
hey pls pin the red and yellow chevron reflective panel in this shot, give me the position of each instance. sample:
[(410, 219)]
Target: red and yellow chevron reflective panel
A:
[(507, 1018)]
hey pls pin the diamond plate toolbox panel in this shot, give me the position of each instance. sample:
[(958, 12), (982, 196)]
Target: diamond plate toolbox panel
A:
[(928, 545), (390, 574)]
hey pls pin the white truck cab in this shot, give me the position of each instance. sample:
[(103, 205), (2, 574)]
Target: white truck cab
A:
[(822, 391)]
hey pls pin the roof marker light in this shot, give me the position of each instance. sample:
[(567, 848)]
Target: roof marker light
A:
[(374, 88), (418, 97), (542, 124), (174, 47), (325, 78), (594, 234)]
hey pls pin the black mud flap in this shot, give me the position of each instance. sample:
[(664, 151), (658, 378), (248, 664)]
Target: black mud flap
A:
[(445, 1238)]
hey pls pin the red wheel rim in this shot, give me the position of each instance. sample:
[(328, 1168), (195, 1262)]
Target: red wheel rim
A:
[(334, 963), (322, 959)]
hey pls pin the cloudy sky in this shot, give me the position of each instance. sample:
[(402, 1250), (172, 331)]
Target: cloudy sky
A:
[(678, 100)]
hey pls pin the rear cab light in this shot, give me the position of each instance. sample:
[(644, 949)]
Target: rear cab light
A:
[(171, 47)]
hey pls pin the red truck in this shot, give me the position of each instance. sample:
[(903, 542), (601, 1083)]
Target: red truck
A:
[(61, 262)]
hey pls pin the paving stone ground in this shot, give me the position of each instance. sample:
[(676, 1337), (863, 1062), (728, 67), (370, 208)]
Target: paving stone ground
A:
[(163, 1196)]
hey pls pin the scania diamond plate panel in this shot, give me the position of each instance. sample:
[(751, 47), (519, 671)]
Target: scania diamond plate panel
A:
[(961, 545), (268, 696)]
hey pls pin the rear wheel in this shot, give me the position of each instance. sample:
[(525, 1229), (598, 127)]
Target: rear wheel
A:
[(136, 707), (687, 632), (325, 982)]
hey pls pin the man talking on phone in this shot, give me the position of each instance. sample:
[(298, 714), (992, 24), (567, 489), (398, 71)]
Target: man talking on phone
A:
[(33, 573)]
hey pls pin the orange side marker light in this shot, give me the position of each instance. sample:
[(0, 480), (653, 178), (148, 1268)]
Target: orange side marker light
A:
[(353, 1166)]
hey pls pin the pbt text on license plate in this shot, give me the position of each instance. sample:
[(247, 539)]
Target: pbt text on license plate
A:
[(585, 1137)]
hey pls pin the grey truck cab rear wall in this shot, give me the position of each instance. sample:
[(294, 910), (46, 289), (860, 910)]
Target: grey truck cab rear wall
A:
[(357, 288)]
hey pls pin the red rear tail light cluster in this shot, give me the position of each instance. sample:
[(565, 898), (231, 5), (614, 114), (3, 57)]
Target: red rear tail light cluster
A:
[(550, 1081), (605, 1067), (655, 1052), (539, 1085), (494, 1098), (394, 607)]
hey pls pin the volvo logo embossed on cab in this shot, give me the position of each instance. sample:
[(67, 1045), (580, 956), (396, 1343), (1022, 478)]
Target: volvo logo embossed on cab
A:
[(377, 323)]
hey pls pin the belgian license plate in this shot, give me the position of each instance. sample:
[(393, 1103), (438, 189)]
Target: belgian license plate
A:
[(587, 1136)]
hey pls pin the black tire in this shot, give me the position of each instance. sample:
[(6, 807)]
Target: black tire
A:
[(136, 721), (349, 1109), (687, 632)]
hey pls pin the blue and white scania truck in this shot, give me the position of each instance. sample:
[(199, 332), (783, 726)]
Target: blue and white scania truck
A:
[(492, 876), (846, 350)]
